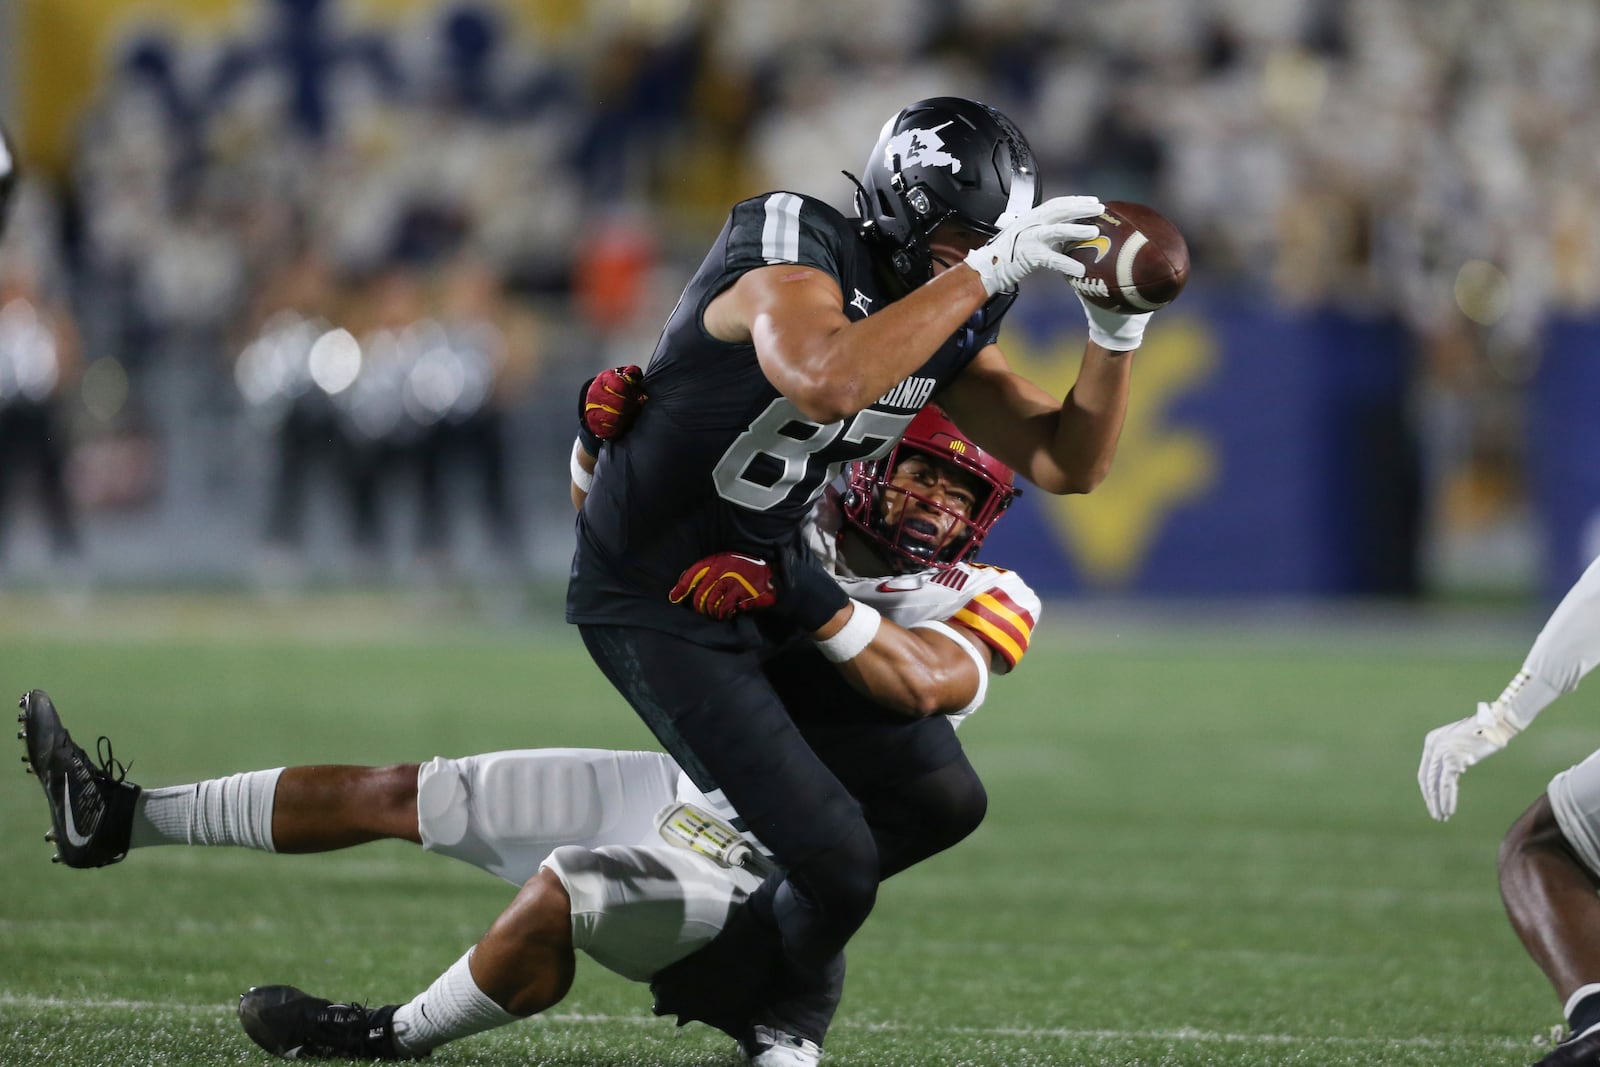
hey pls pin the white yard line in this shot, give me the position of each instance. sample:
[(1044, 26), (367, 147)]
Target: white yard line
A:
[(1181, 1034)]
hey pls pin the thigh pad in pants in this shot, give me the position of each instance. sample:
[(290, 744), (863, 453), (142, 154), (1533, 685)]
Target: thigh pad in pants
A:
[(505, 811)]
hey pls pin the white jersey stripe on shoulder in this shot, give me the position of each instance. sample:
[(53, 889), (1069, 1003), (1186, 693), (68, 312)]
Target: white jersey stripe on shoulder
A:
[(780, 236)]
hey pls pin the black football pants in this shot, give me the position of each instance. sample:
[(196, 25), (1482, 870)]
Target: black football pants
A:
[(718, 715)]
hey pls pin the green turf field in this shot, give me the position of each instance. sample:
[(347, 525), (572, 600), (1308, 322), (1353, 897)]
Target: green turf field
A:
[(1204, 847)]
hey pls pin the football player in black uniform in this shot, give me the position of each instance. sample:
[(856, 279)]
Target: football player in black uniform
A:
[(807, 340), (900, 535)]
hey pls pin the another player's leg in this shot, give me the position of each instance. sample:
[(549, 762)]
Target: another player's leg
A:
[(634, 910), (1548, 880), (523, 965), (97, 816), (324, 808), (729, 731), (920, 793), (285, 809), (921, 796), (473, 809)]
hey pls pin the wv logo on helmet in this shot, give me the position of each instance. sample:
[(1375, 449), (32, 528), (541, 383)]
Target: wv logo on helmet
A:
[(920, 148)]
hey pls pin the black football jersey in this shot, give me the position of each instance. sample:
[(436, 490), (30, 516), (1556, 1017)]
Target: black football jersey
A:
[(718, 459)]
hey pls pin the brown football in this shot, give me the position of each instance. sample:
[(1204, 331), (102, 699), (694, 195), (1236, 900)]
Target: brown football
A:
[(1139, 262)]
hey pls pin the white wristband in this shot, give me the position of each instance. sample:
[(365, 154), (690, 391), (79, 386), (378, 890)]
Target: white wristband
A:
[(580, 477), (854, 636), (1115, 331)]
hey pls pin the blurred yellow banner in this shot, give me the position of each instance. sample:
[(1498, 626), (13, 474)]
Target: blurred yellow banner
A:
[(66, 49)]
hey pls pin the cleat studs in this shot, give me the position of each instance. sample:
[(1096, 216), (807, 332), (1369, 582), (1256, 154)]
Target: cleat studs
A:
[(56, 858), (50, 837), (22, 735), (22, 716)]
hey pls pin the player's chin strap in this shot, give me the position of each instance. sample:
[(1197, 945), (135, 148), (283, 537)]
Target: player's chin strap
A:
[(691, 827)]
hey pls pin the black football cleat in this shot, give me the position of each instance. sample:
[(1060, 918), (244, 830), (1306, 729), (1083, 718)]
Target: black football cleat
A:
[(1580, 1051), (295, 1025), (91, 808)]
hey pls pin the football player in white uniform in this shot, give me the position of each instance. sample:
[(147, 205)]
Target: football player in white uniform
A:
[(1550, 858), (590, 855)]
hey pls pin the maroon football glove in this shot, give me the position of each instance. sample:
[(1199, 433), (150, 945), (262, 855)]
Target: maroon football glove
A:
[(611, 401), (724, 584)]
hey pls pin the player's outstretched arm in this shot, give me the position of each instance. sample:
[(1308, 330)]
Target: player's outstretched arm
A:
[(1061, 446), (1566, 649), (830, 367), (1067, 446)]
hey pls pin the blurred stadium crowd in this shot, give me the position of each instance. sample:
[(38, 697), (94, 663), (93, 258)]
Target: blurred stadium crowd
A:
[(391, 257)]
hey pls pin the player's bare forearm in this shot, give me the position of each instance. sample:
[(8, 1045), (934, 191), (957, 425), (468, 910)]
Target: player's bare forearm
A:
[(1090, 423), (812, 353), (1061, 446), (915, 673)]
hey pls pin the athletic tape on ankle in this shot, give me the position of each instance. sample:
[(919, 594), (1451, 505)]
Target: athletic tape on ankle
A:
[(854, 636), (580, 477)]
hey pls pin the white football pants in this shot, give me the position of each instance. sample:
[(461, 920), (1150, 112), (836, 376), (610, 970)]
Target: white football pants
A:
[(588, 815)]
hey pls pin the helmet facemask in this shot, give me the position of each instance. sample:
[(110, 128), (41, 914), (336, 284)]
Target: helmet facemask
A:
[(910, 538), (896, 514)]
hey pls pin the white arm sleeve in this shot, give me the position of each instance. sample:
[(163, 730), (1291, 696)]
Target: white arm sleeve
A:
[(978, 658), (1566, 649)]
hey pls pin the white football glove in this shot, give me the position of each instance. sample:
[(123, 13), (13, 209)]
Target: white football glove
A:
[(1032, 241), (1113, 330), (1454, 747)]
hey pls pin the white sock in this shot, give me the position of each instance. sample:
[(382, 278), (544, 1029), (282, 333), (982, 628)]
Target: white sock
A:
[(453, 1007), (236, 810)]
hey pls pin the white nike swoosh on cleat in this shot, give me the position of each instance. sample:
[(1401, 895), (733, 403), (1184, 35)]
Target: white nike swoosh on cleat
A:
[(73, 837)]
